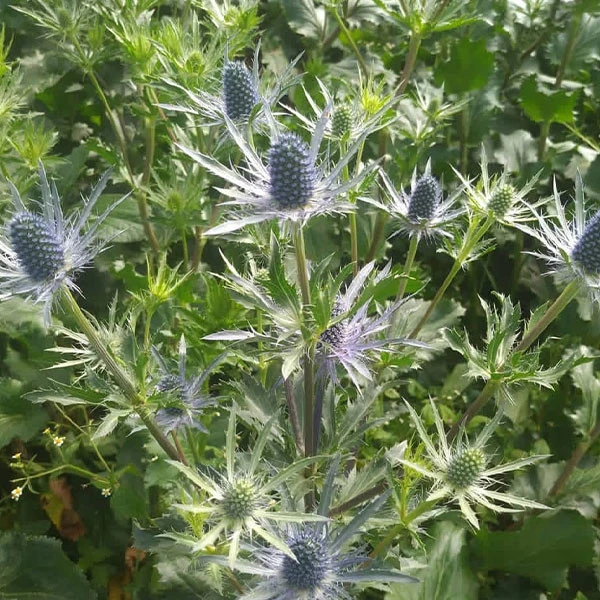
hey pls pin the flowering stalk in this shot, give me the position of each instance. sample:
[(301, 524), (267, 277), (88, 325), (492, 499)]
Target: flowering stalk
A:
[(410, 257), (473, 237), (492, 385), (575, 459), (121, 379), (309, 358)]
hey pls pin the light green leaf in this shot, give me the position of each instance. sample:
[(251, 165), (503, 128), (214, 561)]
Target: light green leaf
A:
[(305, 18), (448, 575)]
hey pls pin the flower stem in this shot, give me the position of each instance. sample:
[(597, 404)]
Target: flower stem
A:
[(179, 447), (309, 399), (472, 238), (293, 415), (361, 61), (486, 393), (409, 63), (553, 311), (118, 374), (410, 258)]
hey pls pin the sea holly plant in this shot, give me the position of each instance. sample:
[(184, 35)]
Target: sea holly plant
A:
[(217, 354)]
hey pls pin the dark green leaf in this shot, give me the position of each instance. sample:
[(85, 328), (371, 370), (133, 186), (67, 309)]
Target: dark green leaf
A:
[(35, 568), (542, 550)]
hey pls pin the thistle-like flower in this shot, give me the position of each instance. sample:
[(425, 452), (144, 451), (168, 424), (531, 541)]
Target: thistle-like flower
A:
[(40, 253), (571, 247), (351, 338), (460, 471), (320, 565), (187, 401), (236, 94), (496, 197), (423, 212), (291, 185), (240, 502)]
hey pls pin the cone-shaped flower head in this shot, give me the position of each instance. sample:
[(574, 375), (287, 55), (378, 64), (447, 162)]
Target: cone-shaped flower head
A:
[(39, 249), (464, 467), (293, 182), (337, 334), (186, 401), (586, 252), (42, 252), (239, 500), (310, 565), (502, 199), (423, 212), (424, 199), (292, 173), (240, 95), (341, 123), (460, 470)]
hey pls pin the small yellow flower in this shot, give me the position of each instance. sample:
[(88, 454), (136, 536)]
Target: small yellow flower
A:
[(16, 456), (58, 440), (106, 492), (16, 493), (47, 431)]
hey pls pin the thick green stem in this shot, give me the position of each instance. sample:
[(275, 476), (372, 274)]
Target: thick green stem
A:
[(118, 374), (575, 459), (309, 391), (486, 393), (378, 231), (409, 63), (553, 311), (353, 242), (410, 258), (473, 237)]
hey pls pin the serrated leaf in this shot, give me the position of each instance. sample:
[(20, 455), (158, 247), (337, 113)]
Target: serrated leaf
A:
[(35, 568), (305, 18), (542, 550), (546, 106), (469, 67)]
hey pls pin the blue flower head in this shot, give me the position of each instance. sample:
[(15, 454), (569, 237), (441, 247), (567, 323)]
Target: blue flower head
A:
[(240, 94), (42, 251), (186, 400)]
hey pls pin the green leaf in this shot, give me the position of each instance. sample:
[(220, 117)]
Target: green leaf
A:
[(19, 418), (542, 106), (35, 568), (448, 575), (469, 67), (542, 550), (305, 18)]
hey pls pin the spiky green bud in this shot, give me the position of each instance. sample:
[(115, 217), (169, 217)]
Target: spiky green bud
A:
[(341, 121), (465, 467), (503, 197), (239, 501)]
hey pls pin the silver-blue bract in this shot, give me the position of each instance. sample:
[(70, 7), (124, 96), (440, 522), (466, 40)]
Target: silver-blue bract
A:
[(263, 190), (423, 212), (324, 564), (354, 338), (570, 246), (187, 400), (42, 251)]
